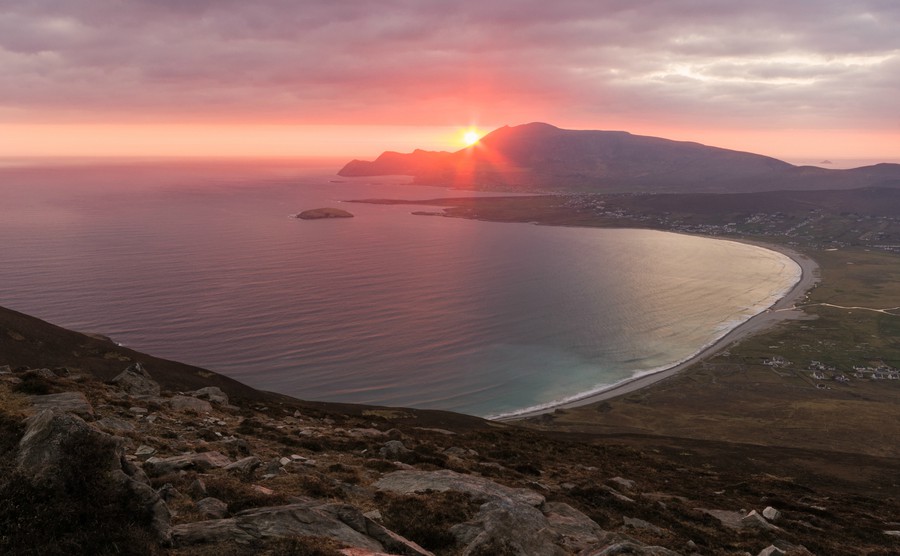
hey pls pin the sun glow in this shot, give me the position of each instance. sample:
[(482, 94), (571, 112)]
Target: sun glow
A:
[(470, 137)]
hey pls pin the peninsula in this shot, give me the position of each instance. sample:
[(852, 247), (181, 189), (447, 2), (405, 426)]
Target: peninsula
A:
[(539, 157)]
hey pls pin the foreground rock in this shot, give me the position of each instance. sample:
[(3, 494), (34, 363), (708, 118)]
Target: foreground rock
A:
[(340, 522), (56, 443), (517, 519), (66, 402), (205, 461), (135, 380), (322, 213)]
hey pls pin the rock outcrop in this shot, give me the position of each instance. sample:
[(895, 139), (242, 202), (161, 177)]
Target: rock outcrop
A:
[(135, 380), (335, 521), (53, 442), (323, 213), (67, 402)]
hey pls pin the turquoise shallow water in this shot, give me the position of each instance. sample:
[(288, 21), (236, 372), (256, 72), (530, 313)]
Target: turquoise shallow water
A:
[(205, 265)]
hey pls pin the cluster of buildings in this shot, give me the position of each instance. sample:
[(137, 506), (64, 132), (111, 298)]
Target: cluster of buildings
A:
[(879, 372), (816, 228), (821, 371)]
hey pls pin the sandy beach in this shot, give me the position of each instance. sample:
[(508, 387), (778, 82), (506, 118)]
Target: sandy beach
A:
[(781, 310)]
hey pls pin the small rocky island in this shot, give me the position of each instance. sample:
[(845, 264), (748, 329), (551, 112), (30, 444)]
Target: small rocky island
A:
[(320, 213)]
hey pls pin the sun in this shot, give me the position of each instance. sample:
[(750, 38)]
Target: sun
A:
[(471, 137)]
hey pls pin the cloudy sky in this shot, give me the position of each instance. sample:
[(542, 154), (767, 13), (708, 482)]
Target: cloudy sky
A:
[(805, 78)]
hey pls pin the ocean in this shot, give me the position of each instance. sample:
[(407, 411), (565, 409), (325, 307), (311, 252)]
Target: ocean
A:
[(203, 263)]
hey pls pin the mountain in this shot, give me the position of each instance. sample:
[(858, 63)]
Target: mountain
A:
[(105, 450), (542, 157)]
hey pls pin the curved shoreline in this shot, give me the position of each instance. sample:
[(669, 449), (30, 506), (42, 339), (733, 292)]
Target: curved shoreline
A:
[(781, 310)]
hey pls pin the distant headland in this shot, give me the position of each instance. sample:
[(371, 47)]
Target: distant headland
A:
[(539, 157)]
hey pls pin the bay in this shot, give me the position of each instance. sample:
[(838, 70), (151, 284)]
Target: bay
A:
[(203, 263)]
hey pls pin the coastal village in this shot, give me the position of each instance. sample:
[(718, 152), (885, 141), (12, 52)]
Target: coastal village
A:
[(822, 373), (814, 228)]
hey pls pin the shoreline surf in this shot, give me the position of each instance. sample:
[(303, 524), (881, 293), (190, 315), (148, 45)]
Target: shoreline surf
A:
[(782, 309)]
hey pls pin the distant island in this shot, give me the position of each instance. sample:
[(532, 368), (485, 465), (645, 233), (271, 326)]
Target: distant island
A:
[(539, 157), (322, 213)]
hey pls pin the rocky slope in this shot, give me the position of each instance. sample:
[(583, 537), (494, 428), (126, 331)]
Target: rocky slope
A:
[(543, 158), (132, 463)]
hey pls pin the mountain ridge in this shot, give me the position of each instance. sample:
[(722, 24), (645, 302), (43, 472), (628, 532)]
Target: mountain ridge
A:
[(539, 157)]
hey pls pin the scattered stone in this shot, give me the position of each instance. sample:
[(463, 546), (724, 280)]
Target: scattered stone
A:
[(238, 444), (136, 381), (393, 450), (506, 522), (641, 524), (517, 517), (300, 519), (892, 533), (197, 489), (245, 466), (409, 482), (629, 547), (138, 410), (188, 403), (729, 519), (772, 550), (213, 394), (212, 508), (618, 495), (273, 468), (143, 452), (168, 492), (577, 530), (263, 490), (64, 402), (627, 484), (61, 371), (755, 521), (114, 425), (42, 373), (374, 515), (771, 514), (156, 467)]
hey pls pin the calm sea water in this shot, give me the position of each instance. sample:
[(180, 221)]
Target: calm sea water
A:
[(203, 264)]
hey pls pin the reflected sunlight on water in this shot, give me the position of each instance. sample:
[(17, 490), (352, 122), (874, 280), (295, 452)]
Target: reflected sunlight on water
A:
[(205, 265)]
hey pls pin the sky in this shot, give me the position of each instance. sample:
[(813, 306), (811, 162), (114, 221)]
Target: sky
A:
[(802, 79)]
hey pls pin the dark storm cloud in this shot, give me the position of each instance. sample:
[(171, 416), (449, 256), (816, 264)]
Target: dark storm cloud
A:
[(401, 61)]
